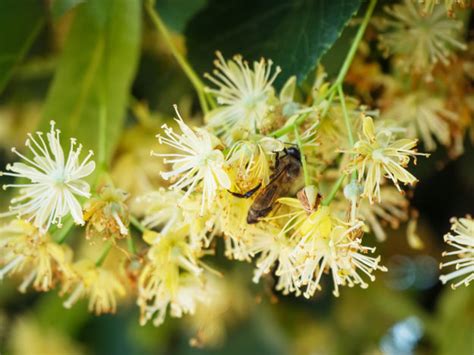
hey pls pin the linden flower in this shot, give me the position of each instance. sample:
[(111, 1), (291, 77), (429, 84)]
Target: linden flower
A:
[(331, 132), (420, 41), (229, 301), (326, 244), (100, 285), (187, 294), (107, 215), (231, 222), (272, 248), (425, 117), (243, 94), (196, 160), (24, 251), (252, 162), (379, 155), (161, 211), (462, 239), (430, 5), (54, 183), (392, 209), (170, 277)]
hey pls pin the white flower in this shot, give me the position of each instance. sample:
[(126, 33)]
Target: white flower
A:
[(171, 277), (274, 247), (195, 161), (424, 116), (54, 183), (242, 92), (463, 241), (380, 155), (392, 210), (328, 245), (419, 42), (253, 161), (185, 297)]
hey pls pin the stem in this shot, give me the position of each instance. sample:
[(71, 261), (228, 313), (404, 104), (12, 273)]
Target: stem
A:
[(188, 70), (104, 254), (355, 44), (346, 116), (328, 106), (61, 234), (307, 180), (337, 185), (287, 129), (131, 245), (347, 122), (136, 223)]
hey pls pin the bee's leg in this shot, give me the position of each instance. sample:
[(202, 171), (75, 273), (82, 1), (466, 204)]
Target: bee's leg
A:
[(246, 194), (277, 159)]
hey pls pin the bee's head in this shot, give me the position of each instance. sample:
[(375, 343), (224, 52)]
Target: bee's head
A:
[(294, 152)]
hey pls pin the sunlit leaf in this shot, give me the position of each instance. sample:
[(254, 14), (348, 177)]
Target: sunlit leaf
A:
[(95, 72), (455, 322), (60, 7)]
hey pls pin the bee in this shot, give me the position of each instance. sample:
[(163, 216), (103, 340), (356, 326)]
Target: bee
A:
[(286, 171)]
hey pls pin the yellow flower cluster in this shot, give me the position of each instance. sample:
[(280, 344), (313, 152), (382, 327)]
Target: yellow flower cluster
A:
[(43, 263), (417, 41), (234, 186), (37, 258)]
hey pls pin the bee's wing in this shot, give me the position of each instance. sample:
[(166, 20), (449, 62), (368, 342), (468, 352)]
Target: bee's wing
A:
[(270, 193)]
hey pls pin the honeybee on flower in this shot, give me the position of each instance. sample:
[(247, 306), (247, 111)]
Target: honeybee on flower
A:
[(252, 161)]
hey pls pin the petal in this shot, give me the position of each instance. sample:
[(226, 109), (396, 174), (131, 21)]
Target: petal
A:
[(222, 178)]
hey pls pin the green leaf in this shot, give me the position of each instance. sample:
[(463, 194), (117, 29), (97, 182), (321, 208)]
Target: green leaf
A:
[(95, 72), (455, 321), (50, 312), (60, 7), (176, 13), (20, 23), (294, 34)]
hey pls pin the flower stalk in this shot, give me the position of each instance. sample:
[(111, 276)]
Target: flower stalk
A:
[(183, 63), (105, 252)]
